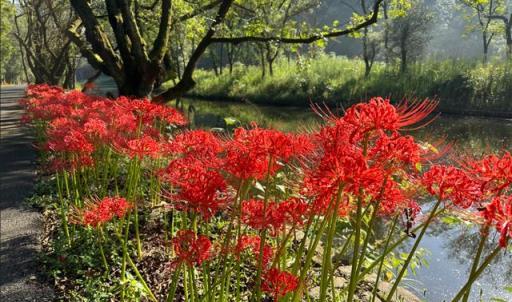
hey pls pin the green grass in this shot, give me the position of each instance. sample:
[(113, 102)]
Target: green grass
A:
[(461, 86)]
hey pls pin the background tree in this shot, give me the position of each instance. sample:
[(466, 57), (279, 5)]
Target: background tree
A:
[(370, 35), (503, 15), (135, 56), (478, 20), (39, 31), (409, 33), (7, 46)]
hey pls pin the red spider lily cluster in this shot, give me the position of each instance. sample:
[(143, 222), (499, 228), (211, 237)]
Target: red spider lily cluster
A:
[(95, 214), (242, 198), (190, 248), (77, 125), (278, 283)]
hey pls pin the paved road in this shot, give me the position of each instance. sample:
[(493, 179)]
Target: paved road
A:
[(20, 227)]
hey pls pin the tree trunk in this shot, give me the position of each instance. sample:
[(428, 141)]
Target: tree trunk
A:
[(508, 32), (214, 62), (403, 60), (486, 47), (221, 55), (262, 62), (386, 32), (366, 55)]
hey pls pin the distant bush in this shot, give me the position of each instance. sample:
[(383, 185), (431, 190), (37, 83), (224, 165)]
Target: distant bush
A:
[(461, 86)]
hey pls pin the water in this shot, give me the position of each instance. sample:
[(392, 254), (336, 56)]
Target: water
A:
[(450, 247)]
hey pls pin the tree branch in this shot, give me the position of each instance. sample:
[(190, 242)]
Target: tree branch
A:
[(198, 11), (306, 40), (116, 23), (138, 44), (162, 39), (498, 17), (186, 81), (91, 57), (97, 37)]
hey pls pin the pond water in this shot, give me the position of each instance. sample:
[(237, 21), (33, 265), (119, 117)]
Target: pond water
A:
[(450, 248)]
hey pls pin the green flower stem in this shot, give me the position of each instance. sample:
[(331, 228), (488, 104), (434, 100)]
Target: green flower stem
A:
[(133, 179), (226, 267), (477, 273), (387, 251), (309, 258), (75, 186), (355, 255), (100, 241), (141, 279), (282, 246), (174, 284), (193, 285), (327, 261), (63, 208), (263, 236), (318, 233), (66, 185), (481, 245), (376, 206), (413, 251), (300, 252), (367, 237), (124, 244), (381, 264)]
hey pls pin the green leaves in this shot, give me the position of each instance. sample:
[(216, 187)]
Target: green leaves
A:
[(231, 121)]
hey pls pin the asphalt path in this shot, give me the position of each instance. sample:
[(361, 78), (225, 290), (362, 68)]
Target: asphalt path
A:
[(20, 226)]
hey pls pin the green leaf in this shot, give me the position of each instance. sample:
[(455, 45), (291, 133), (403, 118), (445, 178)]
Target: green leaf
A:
[(259, 187), (231, 121), (451, 220)]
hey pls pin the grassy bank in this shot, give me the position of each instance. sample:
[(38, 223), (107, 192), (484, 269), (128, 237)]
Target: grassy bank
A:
[(462, 87)]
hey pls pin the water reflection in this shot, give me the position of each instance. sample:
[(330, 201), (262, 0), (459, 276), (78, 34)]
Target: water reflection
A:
[(451, 246)]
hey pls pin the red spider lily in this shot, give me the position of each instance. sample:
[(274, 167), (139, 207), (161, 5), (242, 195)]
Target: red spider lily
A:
[(323, 182), (147, 112), (495, 172), (42, 90), (190, 248), (379, 114), (100, 212), (96, 129), (447, 182), (72, 163), (200, 188), (256, 152), (253, 242), (289, 212), (278, 283), (255, 215), (294, 211), (73, 141), (142, 147), (395, 201), (396, 150), (499, 213), (200, 144)]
